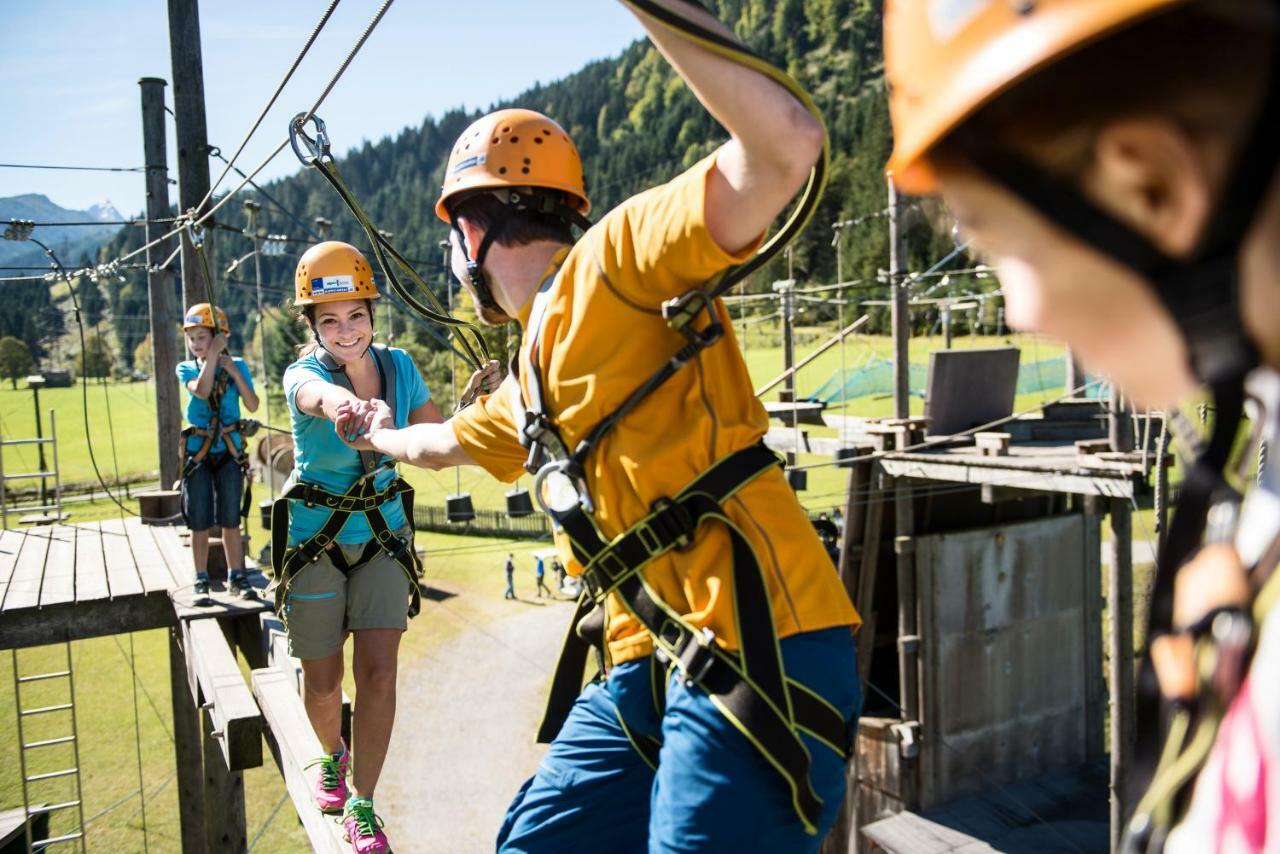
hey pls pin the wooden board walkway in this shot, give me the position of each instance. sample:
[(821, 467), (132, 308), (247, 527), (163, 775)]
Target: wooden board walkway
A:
[(71, 582)]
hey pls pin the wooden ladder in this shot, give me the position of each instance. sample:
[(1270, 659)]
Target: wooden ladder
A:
[(27, 750)]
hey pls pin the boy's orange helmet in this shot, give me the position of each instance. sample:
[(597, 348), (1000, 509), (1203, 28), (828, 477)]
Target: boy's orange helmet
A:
[(945, 59), (202, 314), (509, 149), (331, 272)]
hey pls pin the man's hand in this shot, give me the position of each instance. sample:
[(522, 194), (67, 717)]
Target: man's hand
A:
[(487, 379)]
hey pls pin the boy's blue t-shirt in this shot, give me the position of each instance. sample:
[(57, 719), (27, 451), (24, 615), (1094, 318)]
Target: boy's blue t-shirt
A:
[(199, 413), (321, 458)]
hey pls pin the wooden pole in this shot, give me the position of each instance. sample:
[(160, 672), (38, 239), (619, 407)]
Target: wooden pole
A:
[(187, 751), (224, 816), (786, 289), (193, 136), (164, 345), (1120, 641), (900, 315)]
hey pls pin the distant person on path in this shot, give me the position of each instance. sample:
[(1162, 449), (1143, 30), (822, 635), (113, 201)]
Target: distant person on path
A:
[(213, 449), (511, 578), (540, 572), (558, 568)]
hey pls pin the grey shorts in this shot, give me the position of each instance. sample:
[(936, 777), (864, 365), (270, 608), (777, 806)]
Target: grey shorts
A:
[(323, 604)]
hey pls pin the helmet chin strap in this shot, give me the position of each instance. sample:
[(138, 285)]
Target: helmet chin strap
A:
[(475, 265)]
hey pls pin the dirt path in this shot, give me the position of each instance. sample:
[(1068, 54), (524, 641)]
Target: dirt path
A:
[(463, 739)]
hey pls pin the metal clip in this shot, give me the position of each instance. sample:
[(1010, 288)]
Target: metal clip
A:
[(19, 229), (697, 657), (316, 149), (562, 485), (681, 311)]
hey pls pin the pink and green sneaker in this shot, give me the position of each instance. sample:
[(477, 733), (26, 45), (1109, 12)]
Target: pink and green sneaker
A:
[(331, 784), (364, 828)]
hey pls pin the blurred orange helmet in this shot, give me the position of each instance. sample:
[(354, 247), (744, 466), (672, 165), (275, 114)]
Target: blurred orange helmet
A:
[(202, 315), (945, 59), (331, 272), (511, 149)]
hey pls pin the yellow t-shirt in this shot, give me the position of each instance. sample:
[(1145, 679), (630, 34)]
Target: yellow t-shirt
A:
[(601, 335)]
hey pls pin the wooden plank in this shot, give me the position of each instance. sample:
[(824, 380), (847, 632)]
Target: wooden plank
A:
[(294, 744), (176, 556), (122, 573), (10, 544), (24, 584), (275, 647), (234, 713), (1103, 483), (186, 749), (152, 568), (60, 567), (80, 621), (91, 567), (908, 833)]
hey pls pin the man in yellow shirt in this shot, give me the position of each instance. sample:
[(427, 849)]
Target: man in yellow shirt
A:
[(733, 736)]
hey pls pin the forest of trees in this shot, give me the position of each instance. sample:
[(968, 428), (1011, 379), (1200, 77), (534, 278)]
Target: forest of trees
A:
[(636, 125)]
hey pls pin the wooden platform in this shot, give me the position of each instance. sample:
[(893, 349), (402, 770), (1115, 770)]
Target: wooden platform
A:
[(71, 582)]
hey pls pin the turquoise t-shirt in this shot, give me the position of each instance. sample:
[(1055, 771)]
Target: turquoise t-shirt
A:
[(322, 459), (199, 413)]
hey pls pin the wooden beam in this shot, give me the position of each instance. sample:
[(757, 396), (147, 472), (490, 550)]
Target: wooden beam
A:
[(223, 692), (822, 348), (28, 572), (275, 647), (187, 750), (224, 818), (1023, 478), (59, 584), (294, 744), (1120, 641), (68, 621)]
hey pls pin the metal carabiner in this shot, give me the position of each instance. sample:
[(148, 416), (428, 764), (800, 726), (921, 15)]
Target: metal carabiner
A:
[(318, 148), (564, 486)]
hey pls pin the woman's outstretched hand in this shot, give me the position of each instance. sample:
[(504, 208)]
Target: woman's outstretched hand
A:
[(355, 421)]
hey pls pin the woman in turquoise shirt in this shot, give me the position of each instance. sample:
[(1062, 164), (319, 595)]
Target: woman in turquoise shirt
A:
[(347, 572)]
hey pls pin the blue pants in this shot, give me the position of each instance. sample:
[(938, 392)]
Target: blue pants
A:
[(211, 494), (713, 791)]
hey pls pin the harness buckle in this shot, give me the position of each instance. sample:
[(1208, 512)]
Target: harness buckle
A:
[(680, 312), (698, 655), (317, 149), (566, 486), (673, 521)]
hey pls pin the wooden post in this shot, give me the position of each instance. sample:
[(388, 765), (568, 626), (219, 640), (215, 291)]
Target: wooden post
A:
[(193, 136), (900, 310), (164, 315), (223, 796), (186, 751), (786, 289), (1120, 641)]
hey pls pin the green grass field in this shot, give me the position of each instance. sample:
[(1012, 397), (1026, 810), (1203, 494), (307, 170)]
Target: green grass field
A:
[(132, 415)]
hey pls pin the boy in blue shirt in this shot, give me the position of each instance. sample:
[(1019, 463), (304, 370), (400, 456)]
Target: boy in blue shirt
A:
[(213, 449)]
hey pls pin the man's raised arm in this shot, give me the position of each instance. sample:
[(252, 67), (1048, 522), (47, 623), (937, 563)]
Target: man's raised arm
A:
[(774, 141)]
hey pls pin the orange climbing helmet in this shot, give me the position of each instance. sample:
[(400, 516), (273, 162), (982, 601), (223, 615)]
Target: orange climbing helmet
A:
[(509, 149), (331, 272), (945, 59), (202, 315)]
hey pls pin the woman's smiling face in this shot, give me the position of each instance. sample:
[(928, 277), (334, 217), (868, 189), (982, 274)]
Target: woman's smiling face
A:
[(345, 328)]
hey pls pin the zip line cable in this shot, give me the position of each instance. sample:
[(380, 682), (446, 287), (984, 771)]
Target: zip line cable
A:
[(306, 47), (351, 55), (75, 168), (84, 387)]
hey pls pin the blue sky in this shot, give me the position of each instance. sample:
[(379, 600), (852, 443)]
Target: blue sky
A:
[(69, 93)]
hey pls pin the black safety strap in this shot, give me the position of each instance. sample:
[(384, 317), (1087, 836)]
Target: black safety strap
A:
[(749, 687)]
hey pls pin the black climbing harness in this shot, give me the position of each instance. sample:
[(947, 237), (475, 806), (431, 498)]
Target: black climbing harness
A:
[(233, 436), (361, 497), (749, 687)]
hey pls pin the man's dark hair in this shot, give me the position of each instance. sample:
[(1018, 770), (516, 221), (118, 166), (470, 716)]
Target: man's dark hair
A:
[(521, 228)]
